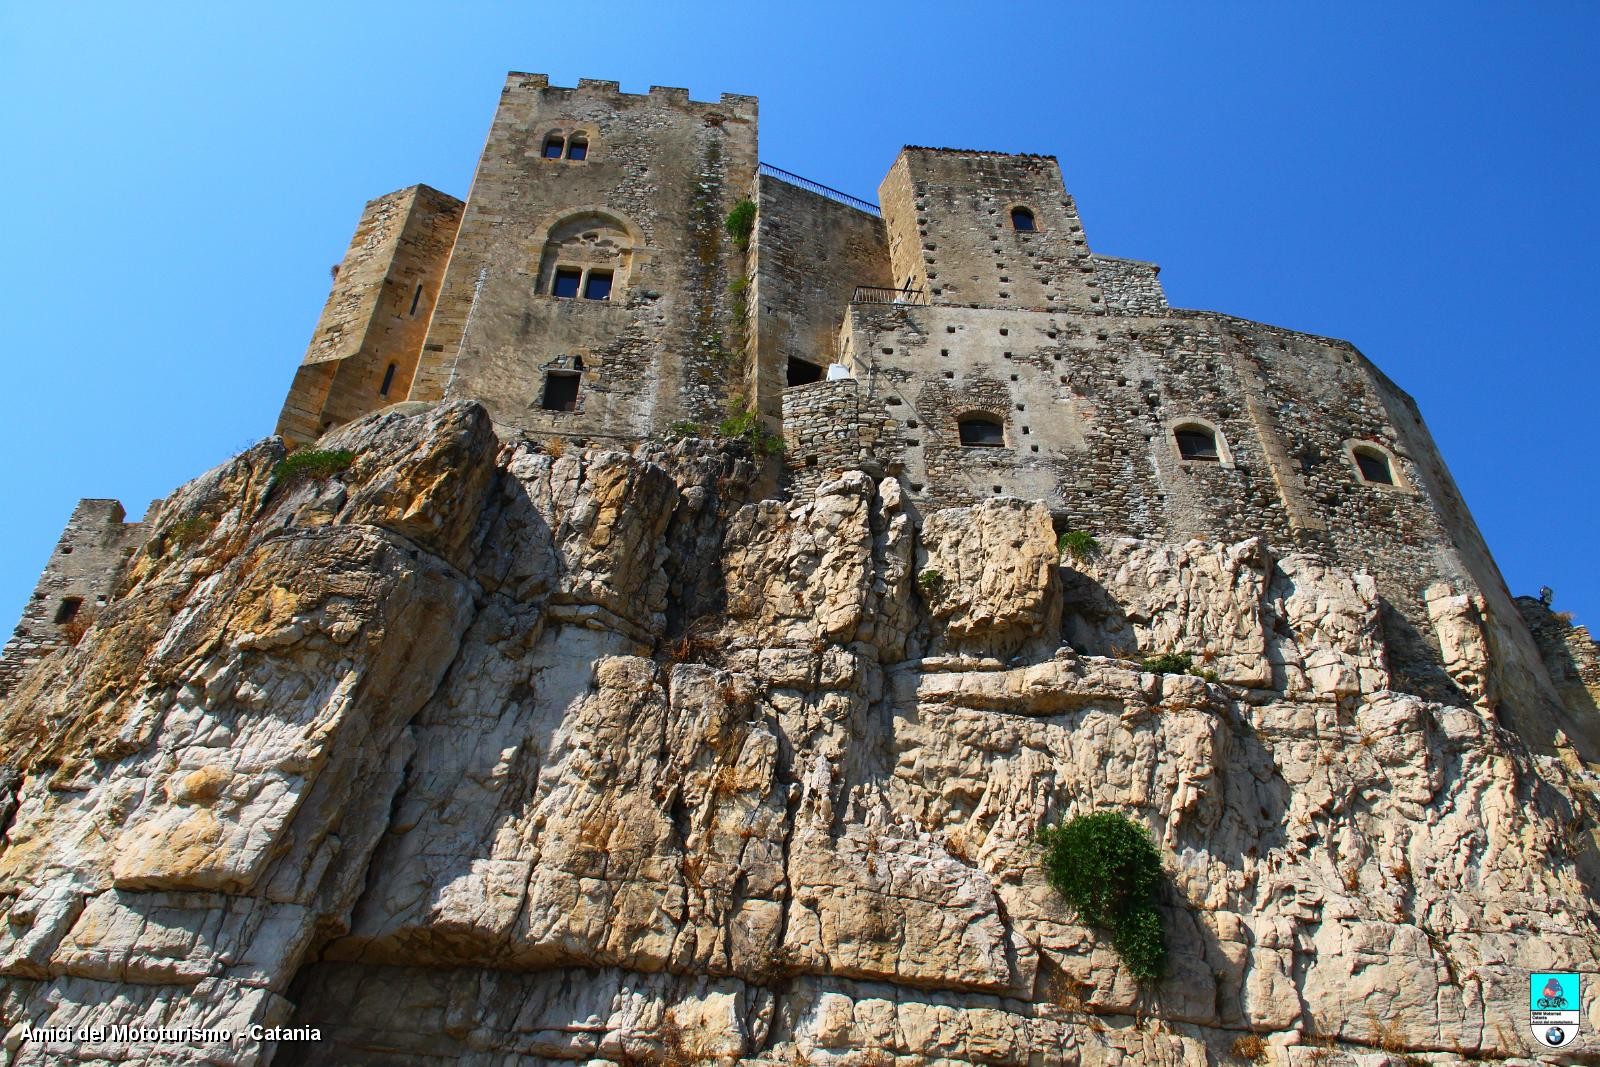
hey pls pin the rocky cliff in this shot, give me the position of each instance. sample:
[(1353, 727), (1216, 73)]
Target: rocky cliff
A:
[(478, 752)]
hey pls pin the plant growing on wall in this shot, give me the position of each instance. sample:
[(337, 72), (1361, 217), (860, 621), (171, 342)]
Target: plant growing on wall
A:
[(1080, 546), (741, 222), (747, 426), (1105, 866)]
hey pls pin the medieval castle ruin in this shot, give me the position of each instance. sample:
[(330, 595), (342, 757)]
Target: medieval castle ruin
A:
[(560, 717), (959, 335)]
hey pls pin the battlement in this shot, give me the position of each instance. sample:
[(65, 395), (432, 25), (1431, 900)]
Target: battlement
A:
[(742, 104)]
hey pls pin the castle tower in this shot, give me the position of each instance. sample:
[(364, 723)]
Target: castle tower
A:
[(588, 290), (369, 337), (987, 229)]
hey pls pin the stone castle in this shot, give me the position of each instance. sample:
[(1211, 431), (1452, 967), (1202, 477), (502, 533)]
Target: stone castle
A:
[(961, 337), (553, 719)]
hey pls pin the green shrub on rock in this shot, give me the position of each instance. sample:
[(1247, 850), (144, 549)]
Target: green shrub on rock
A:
[(312, 463), (1108, 869)]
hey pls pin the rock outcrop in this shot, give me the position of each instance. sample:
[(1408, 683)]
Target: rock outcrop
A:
[(476, 753)]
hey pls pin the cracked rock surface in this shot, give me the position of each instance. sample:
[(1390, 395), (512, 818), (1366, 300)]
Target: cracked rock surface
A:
[(476, 754)]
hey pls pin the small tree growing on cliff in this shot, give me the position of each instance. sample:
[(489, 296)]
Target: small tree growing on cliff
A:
[(1107, 868)]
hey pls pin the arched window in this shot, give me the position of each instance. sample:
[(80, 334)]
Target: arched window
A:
[(982, 431), (1022, 220), (553, 146), (1196, 442), (1373, 465), (578, 147), (587, 256)]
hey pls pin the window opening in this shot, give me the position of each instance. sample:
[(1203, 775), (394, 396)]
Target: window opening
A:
[(980, 431), (1022, 220), (597, 286), (578, 147), (388, 380), (1374, 466), (416, 298), (803, 372), (553, 146), (566, 282), (560, 391), (1195, 442), (68, 609)]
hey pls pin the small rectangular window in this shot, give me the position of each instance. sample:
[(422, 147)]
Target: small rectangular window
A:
[(598, 285), (560, 392), (566, 283), (416, 298), (68, 609)]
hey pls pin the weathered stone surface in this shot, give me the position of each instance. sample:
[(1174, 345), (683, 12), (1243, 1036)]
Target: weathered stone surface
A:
[(476, 753)]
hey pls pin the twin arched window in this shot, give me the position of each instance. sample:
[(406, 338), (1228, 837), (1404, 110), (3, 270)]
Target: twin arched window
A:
[(586, 256), (559, 146)]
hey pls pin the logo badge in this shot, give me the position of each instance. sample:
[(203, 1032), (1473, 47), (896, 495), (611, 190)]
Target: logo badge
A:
[(1553, 1006)]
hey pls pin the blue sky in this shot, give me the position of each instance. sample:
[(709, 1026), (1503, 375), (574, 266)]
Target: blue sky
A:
[(1416, 178)]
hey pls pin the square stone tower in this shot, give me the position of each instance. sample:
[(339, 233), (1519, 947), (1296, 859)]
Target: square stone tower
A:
[(588, 291)]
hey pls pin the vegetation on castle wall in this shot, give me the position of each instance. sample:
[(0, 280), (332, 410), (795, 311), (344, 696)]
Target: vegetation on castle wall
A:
[(315, 463), (741, 222), (747, 426), (1082, 547), (1105, 866)]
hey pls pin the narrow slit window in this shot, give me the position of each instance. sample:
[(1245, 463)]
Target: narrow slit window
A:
[(388, 380), (981, 431), (597, 286), (1374, 466), (416, 298), (803, 372), (1197, 443), (553, 146), (560, 391), (578, 147), (68, 609), (1022, 220), (566, 282)]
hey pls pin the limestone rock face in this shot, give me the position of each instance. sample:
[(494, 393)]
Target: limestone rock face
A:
[(473, 753)]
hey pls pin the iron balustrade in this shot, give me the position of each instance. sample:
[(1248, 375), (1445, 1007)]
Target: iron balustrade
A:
[(878, 294), (822, 190)]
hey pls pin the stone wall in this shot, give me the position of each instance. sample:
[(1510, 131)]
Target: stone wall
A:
[(827, 430), (809, 255), (82, 571), (647, 202), (1131, 287), (377, 312)]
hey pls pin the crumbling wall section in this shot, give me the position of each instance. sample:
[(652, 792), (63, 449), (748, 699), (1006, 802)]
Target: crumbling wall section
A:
[(77, 582)]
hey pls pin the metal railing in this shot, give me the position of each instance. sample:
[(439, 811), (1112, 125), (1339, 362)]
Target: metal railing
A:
[(821, 190), (877, 294)]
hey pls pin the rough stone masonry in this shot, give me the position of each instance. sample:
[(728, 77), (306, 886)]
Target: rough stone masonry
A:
[(554, 728)]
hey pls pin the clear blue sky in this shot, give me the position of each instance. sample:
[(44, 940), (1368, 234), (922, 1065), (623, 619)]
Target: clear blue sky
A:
[(1417, 178)]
